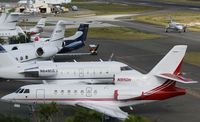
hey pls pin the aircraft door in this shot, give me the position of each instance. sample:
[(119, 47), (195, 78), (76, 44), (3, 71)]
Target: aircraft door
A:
[(81, 73), (40, 96), (88, 92)]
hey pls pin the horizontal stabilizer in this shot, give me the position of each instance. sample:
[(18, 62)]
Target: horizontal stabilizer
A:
[(112, 111), (176, 78)]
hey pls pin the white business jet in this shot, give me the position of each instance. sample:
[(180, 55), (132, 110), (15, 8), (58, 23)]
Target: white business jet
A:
[(175, 26), (8, 26), (38, 28), (46, 48), (58, 72), (130, 88)]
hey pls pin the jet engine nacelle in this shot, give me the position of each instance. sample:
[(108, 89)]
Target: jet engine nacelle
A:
[(46, 52)]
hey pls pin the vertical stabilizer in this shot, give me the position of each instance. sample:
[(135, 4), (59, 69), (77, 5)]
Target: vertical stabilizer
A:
[(171, 20), (171, 63), (9, 21), (41, 23), (6, 59), (84, 28), (59, 31)]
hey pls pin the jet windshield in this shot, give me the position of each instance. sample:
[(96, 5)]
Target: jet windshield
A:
[(125, 68), (178, 24), (22, 91)]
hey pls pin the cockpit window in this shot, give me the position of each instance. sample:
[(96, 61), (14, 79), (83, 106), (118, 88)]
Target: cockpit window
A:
[(21, 91), (17, 90), (47, 40), (178, 24), (125, 68), (26, 91)]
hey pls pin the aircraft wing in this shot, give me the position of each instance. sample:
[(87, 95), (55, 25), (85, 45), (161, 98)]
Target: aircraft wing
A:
[(109, 110), (176, 78)]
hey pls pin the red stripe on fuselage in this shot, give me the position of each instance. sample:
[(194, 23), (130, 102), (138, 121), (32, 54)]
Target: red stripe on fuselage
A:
[(69, 99)]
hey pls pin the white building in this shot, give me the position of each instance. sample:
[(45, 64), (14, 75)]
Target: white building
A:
[(42, 6), (52, 2)]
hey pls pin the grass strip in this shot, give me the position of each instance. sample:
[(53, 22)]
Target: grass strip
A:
[(192, 58), (116, 33), (113, 8), (191, 19)]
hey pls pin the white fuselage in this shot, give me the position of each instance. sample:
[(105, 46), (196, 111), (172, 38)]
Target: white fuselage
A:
[(65, 72), (73, 94), (28, 51), (176, 26), (6, 33)]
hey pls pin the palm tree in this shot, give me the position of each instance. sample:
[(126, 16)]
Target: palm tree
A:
[(2, 41), (133, 118), (85, 115), (13, 40), (46, 111)]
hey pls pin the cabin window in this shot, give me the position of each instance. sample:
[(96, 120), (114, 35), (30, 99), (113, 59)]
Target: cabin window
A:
[(26, 57), (125, 68), (82, 92), (21, 91), (21, 58), (95, 92), (68, 91), (17, 90), (26, 91), (62, 92), (17, 59), (55, 91), (75, 92)]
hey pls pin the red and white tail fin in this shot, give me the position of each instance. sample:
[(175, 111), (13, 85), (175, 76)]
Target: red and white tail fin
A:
[(171, 63)]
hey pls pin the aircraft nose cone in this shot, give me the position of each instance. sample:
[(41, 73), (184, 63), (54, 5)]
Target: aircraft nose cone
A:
[(7, 98)]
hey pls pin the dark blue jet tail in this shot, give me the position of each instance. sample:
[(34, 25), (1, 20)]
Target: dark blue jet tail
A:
[(77, 43)]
